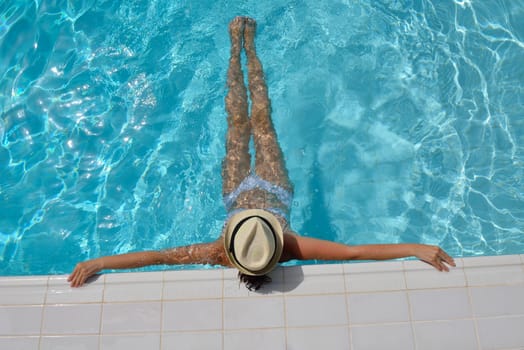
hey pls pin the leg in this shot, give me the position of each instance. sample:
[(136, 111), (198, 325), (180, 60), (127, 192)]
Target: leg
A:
[(237, 162), (269, 161)]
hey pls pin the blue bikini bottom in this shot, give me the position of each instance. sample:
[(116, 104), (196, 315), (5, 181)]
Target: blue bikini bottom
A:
[(253, 181)]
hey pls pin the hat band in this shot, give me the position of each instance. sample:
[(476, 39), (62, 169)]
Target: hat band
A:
[(237, 228)]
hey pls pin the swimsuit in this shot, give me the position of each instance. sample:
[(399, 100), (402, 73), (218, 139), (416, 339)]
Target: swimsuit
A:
[(253, 181)]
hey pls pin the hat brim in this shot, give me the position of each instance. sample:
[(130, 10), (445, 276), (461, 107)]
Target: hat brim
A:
[(238, 219)]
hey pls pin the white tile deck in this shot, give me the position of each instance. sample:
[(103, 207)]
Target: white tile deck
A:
[(386, 305)]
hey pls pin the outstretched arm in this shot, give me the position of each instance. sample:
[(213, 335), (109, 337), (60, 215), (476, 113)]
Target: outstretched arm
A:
[(305, 248), (206, 253)]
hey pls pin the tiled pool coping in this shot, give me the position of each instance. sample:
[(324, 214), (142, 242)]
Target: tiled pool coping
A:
[(380, 305)]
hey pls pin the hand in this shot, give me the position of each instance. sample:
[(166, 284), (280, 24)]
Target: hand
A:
[(83, 271), (435, 256)]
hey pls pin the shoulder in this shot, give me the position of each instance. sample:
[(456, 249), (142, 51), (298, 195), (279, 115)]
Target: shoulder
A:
[(290, 246), (217, 251)]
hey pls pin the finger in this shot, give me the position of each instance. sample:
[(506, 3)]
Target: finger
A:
[(444, 258), (81, 279), (439, 265), (72, 277), (73, 274), (77, 281), (449, 260), (435, 263), (73, 282)]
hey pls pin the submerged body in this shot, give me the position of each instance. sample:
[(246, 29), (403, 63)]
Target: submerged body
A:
[(266, 187)]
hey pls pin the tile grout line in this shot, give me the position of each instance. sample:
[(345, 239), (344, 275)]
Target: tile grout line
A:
[(470, 298), (410, 306), (223, 309), (348, 305), (392, 323), (284, 305), (161, 330), (42, 314), (473, 316), (102, 303)]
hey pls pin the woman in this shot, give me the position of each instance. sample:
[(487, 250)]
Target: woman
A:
[(256, 235)]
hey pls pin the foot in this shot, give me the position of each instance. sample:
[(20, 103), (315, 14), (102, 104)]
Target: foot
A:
[(236, 30), (249, 34)]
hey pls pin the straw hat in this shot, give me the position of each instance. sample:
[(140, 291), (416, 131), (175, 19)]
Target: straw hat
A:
[(253, 241)]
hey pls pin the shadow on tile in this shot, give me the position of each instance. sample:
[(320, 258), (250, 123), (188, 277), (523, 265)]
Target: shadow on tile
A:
[(279, 285), (93, 278)]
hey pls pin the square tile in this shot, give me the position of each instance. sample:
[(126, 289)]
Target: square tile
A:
[(192, 340), (19, 343), (423, 276), (491, 270), (23, 290), (332, 338), (192, 315), (260, 339), (374, 277), (20, 320), (71, 319), (192, 284), (391, 337), (493, 275), (275, 287), (253, 313), (131, 317), (59, 292), (86, 342), (497, 300), (233, 288), (378, 308), (130, 341), (457, 334), (440, 304), (140, 286), (314, 279), (508, 334), (320, 310)]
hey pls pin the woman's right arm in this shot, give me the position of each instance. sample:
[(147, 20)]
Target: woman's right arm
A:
[(206, 253), (88, 268)]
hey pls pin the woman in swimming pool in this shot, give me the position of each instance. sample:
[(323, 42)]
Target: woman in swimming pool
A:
[(256, 235)]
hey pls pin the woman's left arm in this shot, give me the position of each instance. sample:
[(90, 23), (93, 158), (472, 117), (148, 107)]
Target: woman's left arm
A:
[(306, 248)]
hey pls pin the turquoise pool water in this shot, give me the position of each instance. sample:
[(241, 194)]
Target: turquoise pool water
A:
[(401, 121)]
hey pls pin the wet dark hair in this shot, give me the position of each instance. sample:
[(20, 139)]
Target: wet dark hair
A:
[(253, 283)]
